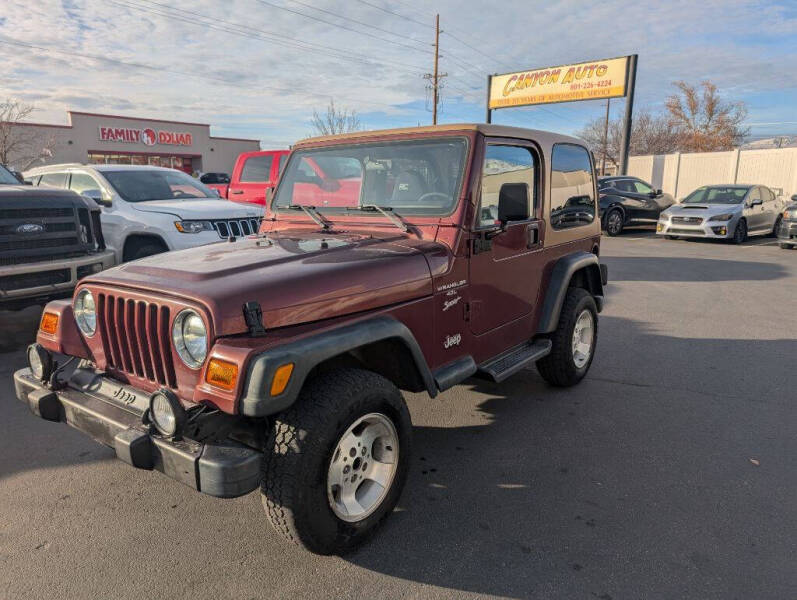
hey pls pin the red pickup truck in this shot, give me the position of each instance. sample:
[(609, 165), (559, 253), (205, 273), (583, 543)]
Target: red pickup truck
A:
[(253, 174)]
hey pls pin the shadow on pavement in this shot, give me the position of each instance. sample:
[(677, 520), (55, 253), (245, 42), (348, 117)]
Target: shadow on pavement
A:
[(615, 488), (680, 269)]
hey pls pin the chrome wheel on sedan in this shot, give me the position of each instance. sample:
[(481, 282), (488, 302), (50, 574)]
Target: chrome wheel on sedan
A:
[(362, 467)]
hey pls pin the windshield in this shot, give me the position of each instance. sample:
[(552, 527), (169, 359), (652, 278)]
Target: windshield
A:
[(414, 177), (141, 185), (6, 177), (717, 195)]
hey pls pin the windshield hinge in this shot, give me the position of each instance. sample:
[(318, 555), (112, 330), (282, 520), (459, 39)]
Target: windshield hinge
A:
[(253, 316)]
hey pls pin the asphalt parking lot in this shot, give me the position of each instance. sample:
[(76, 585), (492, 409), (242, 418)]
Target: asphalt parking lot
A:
[(670, 472)]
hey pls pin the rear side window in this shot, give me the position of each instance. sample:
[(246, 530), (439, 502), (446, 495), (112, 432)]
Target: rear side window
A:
[(572, 187), (257, 169), (80, 182), (53, 180)]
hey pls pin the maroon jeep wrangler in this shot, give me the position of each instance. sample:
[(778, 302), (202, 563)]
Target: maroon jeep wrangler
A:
[(277, 360)]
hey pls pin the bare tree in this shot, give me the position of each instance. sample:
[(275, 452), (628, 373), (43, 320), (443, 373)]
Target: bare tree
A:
[(21, 146), (707, 123), (650, 134), (336, 120)]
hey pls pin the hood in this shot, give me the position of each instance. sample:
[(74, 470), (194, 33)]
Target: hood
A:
[(703, 210), (297, 277), (198, 209)]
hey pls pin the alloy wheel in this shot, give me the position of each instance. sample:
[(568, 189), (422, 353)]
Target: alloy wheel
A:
[(583, 336), (362, 467)]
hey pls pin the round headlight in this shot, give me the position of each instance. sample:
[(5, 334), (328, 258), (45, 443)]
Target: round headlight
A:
[(166, 413), (190, 338), (86, 312), (40, 362)]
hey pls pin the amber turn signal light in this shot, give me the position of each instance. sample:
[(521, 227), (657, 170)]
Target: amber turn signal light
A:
[(281, 378), (222, 374), (49, 323)]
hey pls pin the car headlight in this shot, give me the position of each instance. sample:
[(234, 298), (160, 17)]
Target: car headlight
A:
[(722, 217), (193, 226), (190, 338), (86, 313), (790, 214), (40, 362)]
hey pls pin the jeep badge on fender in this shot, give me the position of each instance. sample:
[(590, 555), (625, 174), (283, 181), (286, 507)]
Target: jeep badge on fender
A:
[(277, 361)]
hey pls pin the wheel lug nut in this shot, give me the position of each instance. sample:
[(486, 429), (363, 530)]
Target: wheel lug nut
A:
[(346, 470)]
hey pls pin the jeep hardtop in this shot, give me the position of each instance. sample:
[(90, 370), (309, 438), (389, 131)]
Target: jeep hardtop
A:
[(276, 360)]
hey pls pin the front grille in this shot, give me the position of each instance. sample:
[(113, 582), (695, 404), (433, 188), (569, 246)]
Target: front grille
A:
[(688, 220), (690, 231), (34, 234), (21, 260), (136, 339), (23, 281), (236, 227)]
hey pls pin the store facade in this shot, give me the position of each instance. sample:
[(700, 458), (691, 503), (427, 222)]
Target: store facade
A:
[(113, 139)]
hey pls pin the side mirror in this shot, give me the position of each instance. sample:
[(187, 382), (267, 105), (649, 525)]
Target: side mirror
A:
[(757, 202), (794, 197), (659, 193), (513, 203), (97, 196)]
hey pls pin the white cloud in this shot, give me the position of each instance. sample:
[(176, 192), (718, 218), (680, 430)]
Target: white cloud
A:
[(230, 64)]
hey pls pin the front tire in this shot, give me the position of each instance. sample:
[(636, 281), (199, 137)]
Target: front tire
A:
[(740, 233), (614, 222), (574, 340), (313, 486), (775, 228), (785, 246)]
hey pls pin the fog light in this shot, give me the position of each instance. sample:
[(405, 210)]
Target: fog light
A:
[(659, 227), (720, 230), (49, 323), (40, 362), (222, 374), (166, 413), (281, 378)]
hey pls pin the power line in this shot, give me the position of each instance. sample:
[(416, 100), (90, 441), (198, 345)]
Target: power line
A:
[(464, 43), (296, 12), (369, 25), (395, 14), (263, 35)]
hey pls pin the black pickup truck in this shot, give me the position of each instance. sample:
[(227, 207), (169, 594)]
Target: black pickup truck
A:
[(49, 239)]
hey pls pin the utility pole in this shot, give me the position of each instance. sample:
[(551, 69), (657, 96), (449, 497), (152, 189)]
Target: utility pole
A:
[(435, 77), (605, 138), (629, 111)]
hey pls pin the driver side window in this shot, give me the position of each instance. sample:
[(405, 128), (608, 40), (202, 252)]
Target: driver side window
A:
[(504, 164), (642, 188)]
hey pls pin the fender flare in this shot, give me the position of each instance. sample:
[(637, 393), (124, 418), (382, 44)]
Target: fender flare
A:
[(308, 352), (561, 275)]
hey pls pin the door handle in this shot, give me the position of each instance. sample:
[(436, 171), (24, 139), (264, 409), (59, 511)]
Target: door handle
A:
[(533, 233), (237, 192)]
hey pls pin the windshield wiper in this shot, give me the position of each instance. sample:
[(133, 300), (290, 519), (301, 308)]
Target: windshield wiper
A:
[(386, 211), (311, 212)]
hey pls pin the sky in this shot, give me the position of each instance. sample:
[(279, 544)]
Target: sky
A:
[(258, 68)]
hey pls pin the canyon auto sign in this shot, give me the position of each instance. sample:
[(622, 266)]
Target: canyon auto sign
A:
[(146, 136)]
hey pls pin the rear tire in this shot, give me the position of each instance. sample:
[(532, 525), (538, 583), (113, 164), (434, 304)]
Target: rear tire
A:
[(306, 443), (786, 246), (614, 222), (672, 237), (563, 367)]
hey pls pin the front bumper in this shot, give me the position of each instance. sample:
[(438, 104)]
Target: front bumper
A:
[(48, 279), (110, 413), (787, 232), (720, 230)]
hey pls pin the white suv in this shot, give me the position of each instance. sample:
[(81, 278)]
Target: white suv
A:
[(147, 210)]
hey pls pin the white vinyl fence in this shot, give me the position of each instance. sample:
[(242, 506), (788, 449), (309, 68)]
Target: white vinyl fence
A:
[(679, 174)]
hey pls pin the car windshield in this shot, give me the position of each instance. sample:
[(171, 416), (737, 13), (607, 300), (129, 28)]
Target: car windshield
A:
[(6, 177), (717, 195), (413, 177), (141, 185)]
